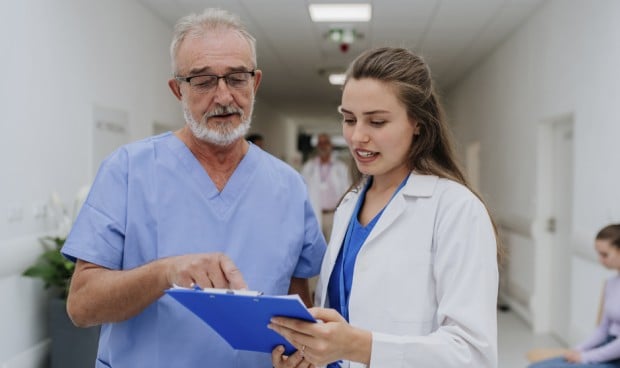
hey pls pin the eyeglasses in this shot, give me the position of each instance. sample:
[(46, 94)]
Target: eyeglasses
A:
[(208, 82)]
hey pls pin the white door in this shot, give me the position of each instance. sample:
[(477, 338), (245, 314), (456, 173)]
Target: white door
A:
[(560, 225)]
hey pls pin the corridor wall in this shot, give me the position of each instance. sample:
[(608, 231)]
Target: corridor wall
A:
[(562, 62), (61, 60)]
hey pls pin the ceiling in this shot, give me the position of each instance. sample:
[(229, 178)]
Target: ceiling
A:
[(295, 54)]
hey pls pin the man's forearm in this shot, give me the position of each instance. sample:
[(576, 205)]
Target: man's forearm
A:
[(98, 295)]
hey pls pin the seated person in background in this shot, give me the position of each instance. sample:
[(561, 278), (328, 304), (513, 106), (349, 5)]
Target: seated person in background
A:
[(602, 349)]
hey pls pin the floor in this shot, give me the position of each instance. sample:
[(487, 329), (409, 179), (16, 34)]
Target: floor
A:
[(515, 339)]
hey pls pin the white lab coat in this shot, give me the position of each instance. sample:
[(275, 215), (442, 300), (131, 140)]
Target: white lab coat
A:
[(425, 281), (339, 177)]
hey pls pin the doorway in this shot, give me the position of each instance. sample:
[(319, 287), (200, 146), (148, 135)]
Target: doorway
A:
[(558, 197)]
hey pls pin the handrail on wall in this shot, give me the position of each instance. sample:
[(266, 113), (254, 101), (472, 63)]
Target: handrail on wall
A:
[(516, 224)]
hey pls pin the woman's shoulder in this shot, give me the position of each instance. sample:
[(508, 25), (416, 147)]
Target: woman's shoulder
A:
[(450, 195), (434, 186), (613, 282), (452, 186)]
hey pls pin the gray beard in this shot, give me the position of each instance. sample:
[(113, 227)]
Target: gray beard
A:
[(224, 135)]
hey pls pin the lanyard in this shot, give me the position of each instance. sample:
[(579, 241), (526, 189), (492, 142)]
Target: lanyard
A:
[(350, 252)]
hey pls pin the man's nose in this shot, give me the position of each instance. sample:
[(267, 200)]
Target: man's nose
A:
[(223, 95)]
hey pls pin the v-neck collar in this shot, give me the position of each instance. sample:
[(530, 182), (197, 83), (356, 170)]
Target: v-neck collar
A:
[(239, 181)]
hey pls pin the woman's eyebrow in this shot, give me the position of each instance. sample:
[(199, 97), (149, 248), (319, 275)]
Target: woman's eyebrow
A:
[(375, 112), (343, 110)]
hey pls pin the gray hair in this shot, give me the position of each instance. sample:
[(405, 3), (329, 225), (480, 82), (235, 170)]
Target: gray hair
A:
[(195, 25)]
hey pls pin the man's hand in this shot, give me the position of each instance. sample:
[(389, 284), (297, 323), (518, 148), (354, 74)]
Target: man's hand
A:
[(100, 295), (210, 270)]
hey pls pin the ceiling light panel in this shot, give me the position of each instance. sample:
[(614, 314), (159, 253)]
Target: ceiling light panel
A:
[(337, 79), (340, 12)]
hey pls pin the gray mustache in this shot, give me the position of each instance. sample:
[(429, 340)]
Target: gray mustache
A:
[(224, 110)]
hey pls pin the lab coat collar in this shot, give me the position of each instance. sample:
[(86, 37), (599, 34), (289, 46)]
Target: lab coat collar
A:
[(420, 185), (417, 186)]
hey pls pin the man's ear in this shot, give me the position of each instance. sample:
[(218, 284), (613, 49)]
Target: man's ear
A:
[(175, 88), (258, 75)]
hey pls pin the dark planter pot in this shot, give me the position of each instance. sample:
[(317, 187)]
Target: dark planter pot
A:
[(72, 347)]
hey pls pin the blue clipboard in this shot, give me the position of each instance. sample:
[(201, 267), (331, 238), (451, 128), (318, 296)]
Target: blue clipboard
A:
[(241, 317)]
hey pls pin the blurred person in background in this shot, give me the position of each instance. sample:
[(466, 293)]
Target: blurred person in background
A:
[(327, 179), (256, 139)]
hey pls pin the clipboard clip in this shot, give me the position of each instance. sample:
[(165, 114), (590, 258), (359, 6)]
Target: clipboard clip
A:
[(220, 291), (233, 292)]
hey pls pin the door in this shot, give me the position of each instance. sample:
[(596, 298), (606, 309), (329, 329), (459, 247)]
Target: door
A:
[(559, 225)]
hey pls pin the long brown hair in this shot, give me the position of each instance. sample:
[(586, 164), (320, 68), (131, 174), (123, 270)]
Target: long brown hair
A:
[(431, 151)]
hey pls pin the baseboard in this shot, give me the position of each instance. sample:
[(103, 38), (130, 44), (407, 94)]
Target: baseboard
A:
[(519, 309), (34, 357)]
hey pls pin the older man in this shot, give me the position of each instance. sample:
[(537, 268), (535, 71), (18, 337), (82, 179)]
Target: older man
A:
[(187, 208), (328, 179)]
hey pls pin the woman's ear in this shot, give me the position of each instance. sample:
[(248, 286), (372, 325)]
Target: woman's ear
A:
[(416, 128)]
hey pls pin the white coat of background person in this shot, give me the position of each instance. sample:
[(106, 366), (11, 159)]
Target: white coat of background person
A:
[(327, 179)]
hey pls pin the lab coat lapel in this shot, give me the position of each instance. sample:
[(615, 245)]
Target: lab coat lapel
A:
[(393, 210), (417, 186), (341, 221)]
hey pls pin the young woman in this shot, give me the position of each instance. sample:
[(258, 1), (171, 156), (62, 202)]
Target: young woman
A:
[(602, 349), (410, 276)]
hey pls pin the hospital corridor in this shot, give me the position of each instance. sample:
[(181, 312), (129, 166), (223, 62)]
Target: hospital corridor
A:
[(155, 149)]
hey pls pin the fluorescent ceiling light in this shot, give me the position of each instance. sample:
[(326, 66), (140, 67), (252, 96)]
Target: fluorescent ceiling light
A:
[(337, 79), (340, 12)]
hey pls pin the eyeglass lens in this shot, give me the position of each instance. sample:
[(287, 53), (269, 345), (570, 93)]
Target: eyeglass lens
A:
[(208, 82)]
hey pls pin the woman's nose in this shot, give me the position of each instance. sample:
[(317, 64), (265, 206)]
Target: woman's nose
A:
[(359, 133)]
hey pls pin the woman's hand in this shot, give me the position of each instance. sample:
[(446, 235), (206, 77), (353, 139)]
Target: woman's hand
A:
[(322, 343), (279, 360), (573, 356)]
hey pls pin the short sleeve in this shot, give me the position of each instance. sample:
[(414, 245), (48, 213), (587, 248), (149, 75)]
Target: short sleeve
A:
[(98, 233)]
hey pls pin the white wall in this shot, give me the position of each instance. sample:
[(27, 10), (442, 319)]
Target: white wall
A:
[(60, 59), (564, 60)]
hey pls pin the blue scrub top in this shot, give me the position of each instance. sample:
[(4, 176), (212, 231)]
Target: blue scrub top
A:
[(152, 199), (341, 278)]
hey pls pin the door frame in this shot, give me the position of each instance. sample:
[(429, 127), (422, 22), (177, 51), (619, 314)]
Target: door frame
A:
[(541, 303)]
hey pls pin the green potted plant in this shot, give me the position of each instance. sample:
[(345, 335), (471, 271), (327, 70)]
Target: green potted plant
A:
[(52, 267), (71, 346)]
